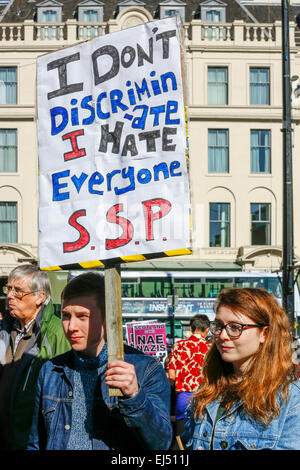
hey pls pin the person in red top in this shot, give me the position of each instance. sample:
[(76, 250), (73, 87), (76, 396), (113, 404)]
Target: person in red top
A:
[(185, 367)]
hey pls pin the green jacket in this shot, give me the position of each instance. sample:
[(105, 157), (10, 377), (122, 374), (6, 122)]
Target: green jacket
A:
[(47, 341)]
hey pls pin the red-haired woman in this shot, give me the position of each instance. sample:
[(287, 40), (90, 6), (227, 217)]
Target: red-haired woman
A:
[(250, 396)]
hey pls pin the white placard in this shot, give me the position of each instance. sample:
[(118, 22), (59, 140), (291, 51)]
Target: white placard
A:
[(112, 140)]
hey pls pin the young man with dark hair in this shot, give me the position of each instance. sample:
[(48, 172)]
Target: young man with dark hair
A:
[(73, 407), (185, 367)]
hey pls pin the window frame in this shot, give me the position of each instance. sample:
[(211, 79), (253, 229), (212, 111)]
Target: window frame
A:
[(6, 220), (6, 145), (219, 220), (262, 221), (268, 84), (266, 148), (216, 83), (173, 5), (49, 6), (6, 82), (49, 10), (226, 147), (208, 6), (97, 7), (171, 12)]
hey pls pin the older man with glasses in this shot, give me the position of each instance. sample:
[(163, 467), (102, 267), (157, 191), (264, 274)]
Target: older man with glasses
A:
[(30, 334)]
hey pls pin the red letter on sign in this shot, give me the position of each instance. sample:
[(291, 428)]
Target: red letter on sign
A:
[(165, 207), (127, 227), (76, 151), (84, 238)]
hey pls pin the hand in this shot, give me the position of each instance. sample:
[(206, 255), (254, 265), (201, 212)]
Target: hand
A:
[(122, 375)]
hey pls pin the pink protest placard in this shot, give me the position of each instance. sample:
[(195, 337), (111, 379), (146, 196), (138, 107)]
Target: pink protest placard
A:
[(151, 339), (131, 325)]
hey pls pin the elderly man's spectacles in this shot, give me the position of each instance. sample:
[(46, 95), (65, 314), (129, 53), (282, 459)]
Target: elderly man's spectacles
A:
[(233, 329), (18, 293)]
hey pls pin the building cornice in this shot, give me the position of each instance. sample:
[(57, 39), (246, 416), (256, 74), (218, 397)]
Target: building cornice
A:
[(17, 112), (242, 113)]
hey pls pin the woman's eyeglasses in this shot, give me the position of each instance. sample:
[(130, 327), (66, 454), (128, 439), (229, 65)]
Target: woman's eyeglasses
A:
[(233, 329)]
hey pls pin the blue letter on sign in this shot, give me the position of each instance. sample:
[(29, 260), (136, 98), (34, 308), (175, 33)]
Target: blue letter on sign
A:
[(58, 111), (57, 196)]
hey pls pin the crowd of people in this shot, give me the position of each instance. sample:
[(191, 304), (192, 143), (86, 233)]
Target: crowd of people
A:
[(239, 391)]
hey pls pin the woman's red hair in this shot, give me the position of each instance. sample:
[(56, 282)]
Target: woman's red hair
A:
[(270, 370)]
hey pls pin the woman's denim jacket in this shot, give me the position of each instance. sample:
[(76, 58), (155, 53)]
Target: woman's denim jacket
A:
[(141, 422), (238, 431)]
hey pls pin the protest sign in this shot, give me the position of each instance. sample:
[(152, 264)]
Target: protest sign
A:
[(151, 339), (113, 181), (130, 326)]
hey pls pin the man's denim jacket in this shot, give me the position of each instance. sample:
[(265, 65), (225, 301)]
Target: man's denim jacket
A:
[(141, 422), (238, 431)]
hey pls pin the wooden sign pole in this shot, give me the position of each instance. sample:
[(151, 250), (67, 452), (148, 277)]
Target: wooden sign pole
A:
[(113, 313)]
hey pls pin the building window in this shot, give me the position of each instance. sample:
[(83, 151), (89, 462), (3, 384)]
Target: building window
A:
[(171, 13), (213, 16), (260, 151), (213, 12), (217, 79), (8, 222), (49, 16), (214, 32), (260, 224), (259, 86), (8, 150), (90, 16), (172, 8), (218, 151), (49, 11), (8, 85), (90, 12), (219, 224)]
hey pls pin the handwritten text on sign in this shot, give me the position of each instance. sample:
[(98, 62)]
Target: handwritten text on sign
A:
[(112, 138)]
